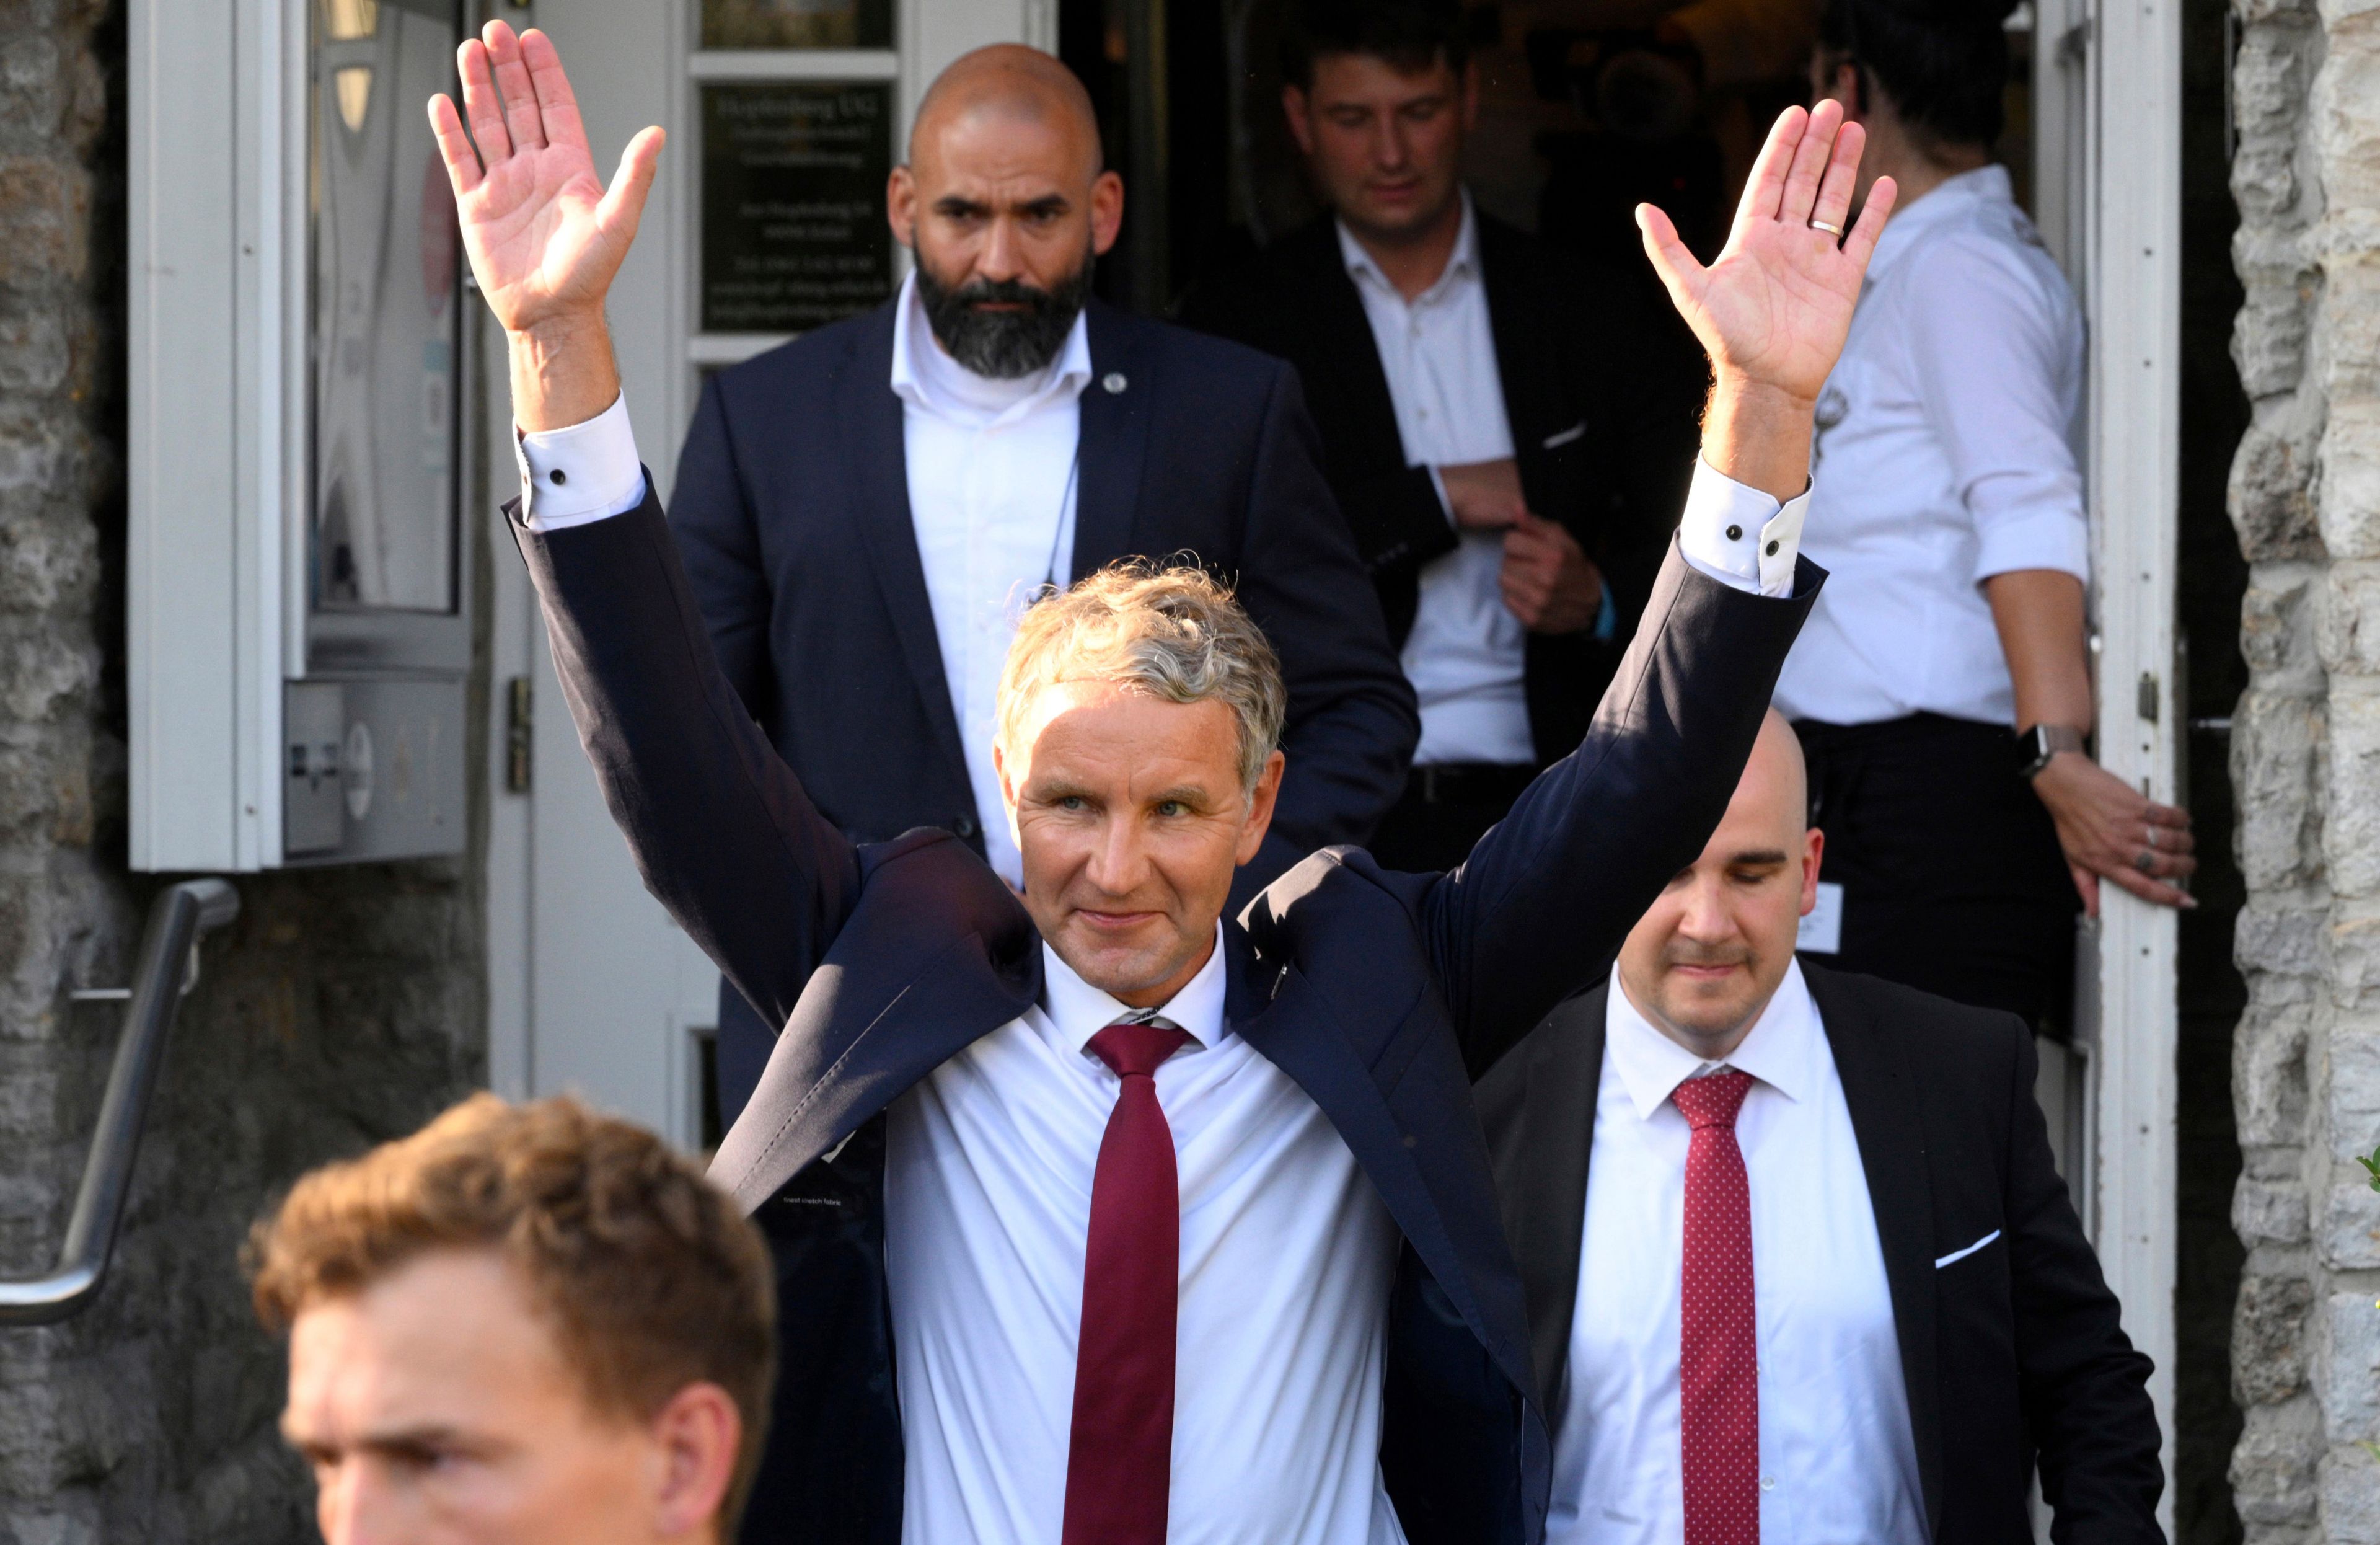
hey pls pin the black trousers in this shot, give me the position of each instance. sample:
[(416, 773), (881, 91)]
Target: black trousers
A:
[(1953, 882), (1445, 809)]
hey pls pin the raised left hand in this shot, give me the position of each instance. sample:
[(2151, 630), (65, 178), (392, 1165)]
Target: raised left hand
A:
[(1548, 579), (1773, 311)]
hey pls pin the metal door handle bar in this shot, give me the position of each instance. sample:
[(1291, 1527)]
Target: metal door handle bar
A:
[(181, 915)]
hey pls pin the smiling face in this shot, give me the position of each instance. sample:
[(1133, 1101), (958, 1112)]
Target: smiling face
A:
[(1706, 959), (436, 1408), (1385, 146), (1131, 815)]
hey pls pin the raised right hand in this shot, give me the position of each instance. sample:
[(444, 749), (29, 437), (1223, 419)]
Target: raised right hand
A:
[(544, 236)]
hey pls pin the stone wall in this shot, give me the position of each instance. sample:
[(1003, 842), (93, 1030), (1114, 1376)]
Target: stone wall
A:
[(344, 1007), (2306, 499)]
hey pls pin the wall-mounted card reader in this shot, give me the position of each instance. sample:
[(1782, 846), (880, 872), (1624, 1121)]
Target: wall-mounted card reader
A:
[(298, 605)]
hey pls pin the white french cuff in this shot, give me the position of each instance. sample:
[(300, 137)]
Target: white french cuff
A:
[(1740, 536), (581, 473)]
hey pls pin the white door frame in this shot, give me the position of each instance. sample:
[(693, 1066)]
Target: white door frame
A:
[(2108, 131)]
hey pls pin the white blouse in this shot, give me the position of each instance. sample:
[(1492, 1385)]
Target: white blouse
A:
[(1944, 455)]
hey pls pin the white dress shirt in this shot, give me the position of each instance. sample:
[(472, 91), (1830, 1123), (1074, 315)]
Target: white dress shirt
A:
[(1464, 655), (1944, 456), (992, 488), (1838, 1465), (1287, 1256)]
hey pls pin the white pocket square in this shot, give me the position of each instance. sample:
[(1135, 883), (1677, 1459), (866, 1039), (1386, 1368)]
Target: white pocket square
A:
[(1956, 1256), (1575, 432)]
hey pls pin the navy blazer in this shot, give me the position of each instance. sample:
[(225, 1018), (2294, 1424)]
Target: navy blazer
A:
[(1382, 995), (792, 512), (2013, 1354)]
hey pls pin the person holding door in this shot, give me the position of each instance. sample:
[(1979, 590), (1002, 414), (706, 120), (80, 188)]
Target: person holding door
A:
[(1512, 484), (1943, 691), (865, 511)]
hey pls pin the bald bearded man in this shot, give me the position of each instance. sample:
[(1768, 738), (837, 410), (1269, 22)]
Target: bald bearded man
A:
[(865, 511)]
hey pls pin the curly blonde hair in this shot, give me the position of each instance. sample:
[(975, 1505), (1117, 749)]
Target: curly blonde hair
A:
[(646, 1273), (1173, 632)]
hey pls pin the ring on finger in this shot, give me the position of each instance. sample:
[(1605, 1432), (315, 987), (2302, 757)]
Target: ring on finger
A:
[(2152, 838), (2146, 862), (1832, 230)]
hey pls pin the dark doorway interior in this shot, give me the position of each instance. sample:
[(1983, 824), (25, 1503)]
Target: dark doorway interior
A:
[(2213, 579)]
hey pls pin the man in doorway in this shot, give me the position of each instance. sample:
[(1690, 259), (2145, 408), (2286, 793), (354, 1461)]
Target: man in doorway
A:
[(1493, 420), (522, 1325), (1796, 1258), (1097, 1216), (863, 511)]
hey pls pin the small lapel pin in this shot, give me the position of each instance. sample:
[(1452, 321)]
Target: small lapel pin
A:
[(1115, 382)]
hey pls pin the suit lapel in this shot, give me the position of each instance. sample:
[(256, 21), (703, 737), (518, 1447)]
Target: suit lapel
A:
[(1873, 1062), (1343, 323), (1520, 366), (1546, 1214), (1294, 1028), (880, 482), (1114, 440)]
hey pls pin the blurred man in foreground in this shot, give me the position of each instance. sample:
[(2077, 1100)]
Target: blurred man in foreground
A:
[(1799, 1263), (521, 1325)]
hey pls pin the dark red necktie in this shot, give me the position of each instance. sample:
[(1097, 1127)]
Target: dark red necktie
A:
[(1119, 1459), (1719, 1348)]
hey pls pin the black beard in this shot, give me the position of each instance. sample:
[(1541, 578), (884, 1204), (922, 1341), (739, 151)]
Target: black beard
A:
[(1005, 346)]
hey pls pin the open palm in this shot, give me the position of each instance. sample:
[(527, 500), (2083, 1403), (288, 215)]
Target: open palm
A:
[(1776, 306), (544, 236)]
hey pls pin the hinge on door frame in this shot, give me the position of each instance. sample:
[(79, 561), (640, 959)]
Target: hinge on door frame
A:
[(518, 723)]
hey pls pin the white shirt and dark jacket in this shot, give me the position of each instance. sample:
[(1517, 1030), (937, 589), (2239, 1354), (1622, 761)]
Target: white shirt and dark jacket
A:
[(1931, 1322), (1513, 351), (1352, 1363), (863, 519), (1945, 458)]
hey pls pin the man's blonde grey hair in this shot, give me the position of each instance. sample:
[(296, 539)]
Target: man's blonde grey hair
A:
[(1173, 633)]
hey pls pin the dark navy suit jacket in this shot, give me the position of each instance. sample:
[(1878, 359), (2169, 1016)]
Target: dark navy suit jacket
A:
[(2012, 1351), (1381, 994), (792, 511)]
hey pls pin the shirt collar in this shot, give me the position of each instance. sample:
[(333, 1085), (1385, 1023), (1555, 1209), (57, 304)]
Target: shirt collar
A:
[(1949, 198), (1080, 1011), (1461, 263), (1780, 1050), (926, 378)]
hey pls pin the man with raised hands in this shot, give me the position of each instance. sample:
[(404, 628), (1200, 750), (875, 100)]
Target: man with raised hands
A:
[(1097, 1216)]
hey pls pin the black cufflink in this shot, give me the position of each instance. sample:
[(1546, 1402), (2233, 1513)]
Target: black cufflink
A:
[(1735, 533), (557, 477), (1772, 549)]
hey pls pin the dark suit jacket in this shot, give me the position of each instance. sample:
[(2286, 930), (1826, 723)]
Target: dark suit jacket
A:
[(1382, 995), (2011, 1356), (792, 511), (1606, 443)]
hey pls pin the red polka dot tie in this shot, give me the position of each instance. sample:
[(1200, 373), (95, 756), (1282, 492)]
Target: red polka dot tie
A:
[(1120, 1459), (1719, 1367)]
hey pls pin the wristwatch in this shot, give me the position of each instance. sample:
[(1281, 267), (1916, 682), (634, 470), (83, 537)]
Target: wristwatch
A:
[(2035, 747)]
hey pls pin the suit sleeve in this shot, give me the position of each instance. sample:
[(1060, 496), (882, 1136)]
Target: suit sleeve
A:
[(1539, 909), (1352, 724), (717, 824), (719, 540), (1393, 515), (2084, 1388)]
